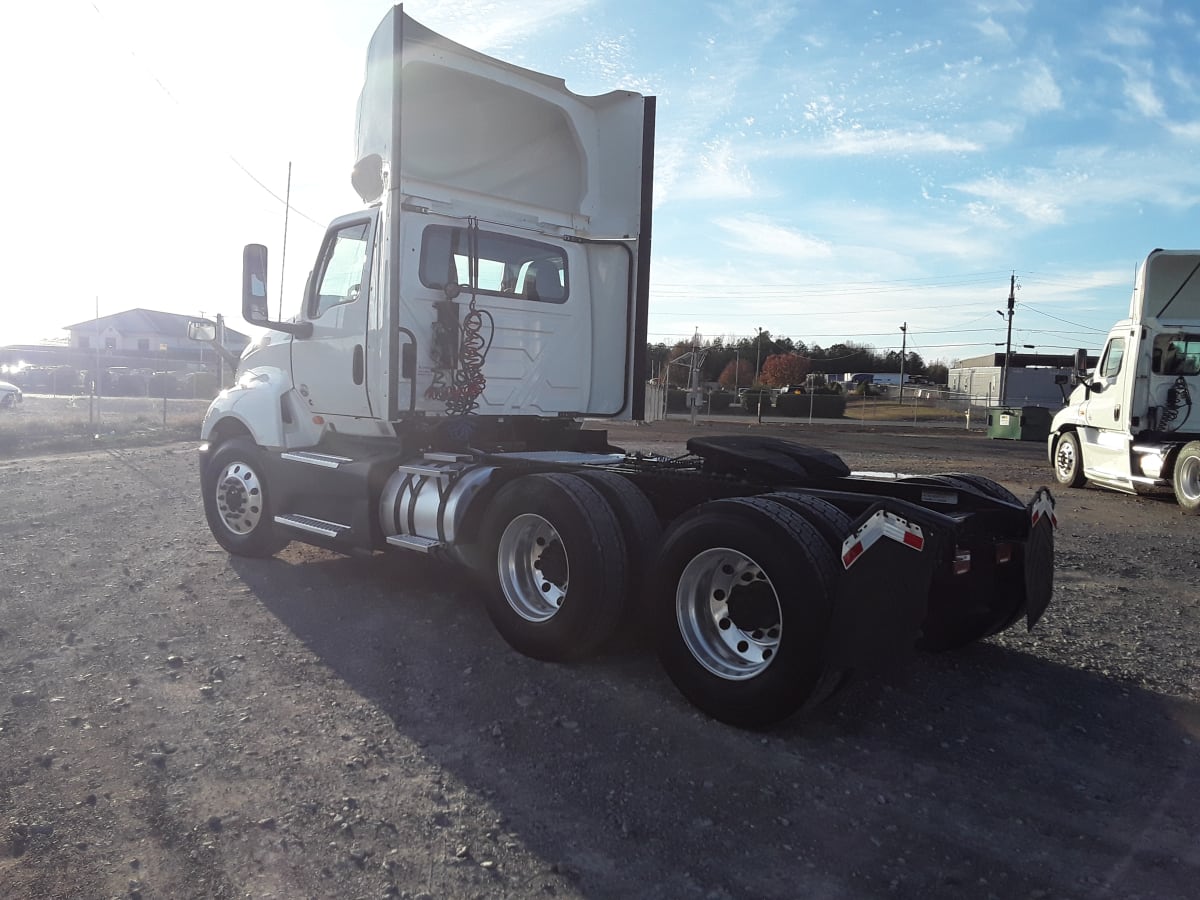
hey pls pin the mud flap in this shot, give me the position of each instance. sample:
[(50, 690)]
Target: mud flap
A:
[(888, 561), (1039, 556)]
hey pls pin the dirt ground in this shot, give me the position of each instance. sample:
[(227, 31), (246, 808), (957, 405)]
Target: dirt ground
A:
[(177, 723)]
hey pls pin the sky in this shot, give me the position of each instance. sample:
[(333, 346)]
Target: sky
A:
[(825, 171)]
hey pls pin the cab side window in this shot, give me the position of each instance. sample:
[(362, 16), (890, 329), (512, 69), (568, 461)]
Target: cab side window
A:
[(1113, 354), (344, 269)]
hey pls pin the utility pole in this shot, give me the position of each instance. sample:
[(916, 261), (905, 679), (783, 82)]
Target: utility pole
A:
[(757, 357), (1012, 298), (903, 349), (694, 376)]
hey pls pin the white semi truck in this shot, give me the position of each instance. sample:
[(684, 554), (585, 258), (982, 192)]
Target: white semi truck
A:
[(427, 397), (1129, 424)]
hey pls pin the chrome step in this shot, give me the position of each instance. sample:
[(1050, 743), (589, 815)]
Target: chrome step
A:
[(413, 542), (309, 524), (325, 460)]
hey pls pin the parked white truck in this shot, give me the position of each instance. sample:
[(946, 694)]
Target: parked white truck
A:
[(1128, 425), (428, 396)]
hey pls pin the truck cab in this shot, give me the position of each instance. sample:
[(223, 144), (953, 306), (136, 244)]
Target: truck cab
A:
[(1128, 424)]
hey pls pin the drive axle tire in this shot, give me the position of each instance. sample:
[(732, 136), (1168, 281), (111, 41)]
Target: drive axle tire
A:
[(642, 533), (1068, 462), (1186, 479), (743, 595), (237, 501), (557, 566)]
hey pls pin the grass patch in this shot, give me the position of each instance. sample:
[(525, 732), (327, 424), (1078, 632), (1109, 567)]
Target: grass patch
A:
[(43, 424), (890, 411)]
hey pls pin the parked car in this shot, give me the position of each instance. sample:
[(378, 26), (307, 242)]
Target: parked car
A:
[(10, 395)]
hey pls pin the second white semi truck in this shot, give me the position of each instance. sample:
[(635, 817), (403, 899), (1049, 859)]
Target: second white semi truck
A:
[(1129, 425), (428, 394)]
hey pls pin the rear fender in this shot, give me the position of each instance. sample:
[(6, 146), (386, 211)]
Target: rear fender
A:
[(888, 563)]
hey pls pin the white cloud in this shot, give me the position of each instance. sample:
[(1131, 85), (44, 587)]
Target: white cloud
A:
[(1189, 131), (758, 236), (1140, 92), (716, 174), (993, 30), (1092, 181), (869, 142), (1040, 93)]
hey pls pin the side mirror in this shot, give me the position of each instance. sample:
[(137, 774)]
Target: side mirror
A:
[(254, 294), (1096, 387), (202, 330), (254, 284)]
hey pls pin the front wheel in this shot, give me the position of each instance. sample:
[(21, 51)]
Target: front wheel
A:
[(237, 503), (1068, 462), (1186, 479), (742, 603)]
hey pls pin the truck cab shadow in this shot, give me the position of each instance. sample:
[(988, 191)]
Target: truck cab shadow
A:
[(609, 775)]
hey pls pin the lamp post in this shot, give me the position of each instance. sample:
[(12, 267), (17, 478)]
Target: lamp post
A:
[(903, 348)]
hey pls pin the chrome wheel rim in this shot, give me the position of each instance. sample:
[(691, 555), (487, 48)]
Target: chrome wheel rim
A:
[(1066, 459), (239, 495), (729, 614), (1189, 479), (533, 568)]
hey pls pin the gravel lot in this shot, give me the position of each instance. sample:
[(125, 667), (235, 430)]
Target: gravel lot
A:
[(177, 723)]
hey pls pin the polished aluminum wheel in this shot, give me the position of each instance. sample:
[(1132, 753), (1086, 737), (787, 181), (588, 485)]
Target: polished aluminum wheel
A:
[(729, 614), (239, 496), (1187, 479), (532, 564)]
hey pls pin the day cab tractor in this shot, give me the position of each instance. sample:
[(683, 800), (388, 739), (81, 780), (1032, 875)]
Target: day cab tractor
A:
[(429, 394), (1129, 424)]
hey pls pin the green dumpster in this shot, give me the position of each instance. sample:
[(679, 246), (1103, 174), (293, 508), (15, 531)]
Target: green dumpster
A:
[(1025, 423)]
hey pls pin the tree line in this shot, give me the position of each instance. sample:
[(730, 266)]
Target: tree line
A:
[(775, 361)]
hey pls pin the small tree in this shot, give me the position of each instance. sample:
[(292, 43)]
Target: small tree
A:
[(785, 368), (737, 374)]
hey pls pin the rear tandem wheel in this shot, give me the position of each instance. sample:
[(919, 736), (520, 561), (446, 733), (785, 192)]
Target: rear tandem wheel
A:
[(742, 603)]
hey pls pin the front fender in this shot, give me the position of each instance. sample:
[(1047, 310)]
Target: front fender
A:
[(256, 403)]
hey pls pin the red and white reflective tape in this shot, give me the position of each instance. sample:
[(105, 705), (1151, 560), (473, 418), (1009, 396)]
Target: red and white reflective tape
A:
[(882, 524), (1043, 505)]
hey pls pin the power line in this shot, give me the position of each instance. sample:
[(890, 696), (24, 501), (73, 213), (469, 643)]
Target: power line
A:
[(162, 87), (1066, 321)]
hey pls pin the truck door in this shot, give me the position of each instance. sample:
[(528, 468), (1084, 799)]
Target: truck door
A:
[(1107, 435), (329, 367)]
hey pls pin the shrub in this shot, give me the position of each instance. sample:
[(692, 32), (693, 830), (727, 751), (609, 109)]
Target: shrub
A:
[(750, 401), (719, 401)]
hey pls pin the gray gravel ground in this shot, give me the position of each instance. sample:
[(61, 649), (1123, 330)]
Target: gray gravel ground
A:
[(176, 723)]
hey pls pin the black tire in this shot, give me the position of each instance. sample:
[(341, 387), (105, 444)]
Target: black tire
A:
[(833, 524), (8, 401), (1186, 479), (557, 566), (639, 526), (237, 501), (759, 663), (1068, 462), (985, 486)]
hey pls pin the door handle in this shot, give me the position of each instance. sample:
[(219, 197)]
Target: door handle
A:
[(357, 366), (1116, 414)]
